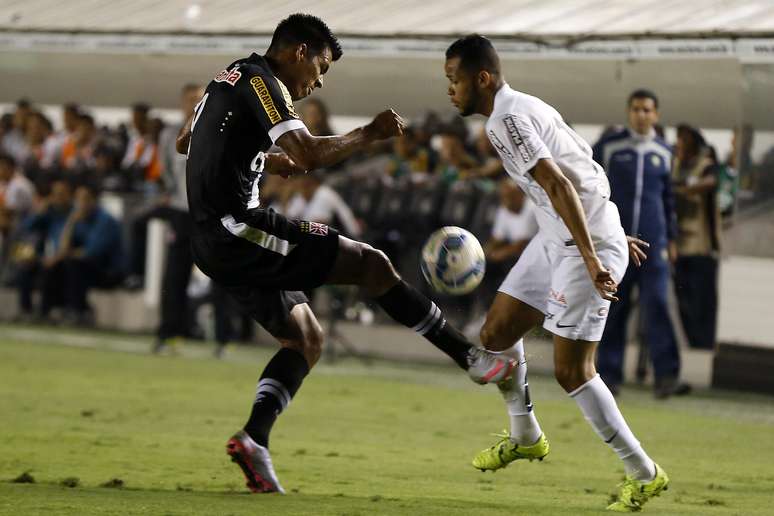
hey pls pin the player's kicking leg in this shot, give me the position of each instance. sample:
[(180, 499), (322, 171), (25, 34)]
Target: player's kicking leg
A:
[(575, 372), (507, 321), (249, 448), (360, 264)]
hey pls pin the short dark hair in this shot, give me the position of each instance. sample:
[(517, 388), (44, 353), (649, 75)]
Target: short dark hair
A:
[(141, 107), (476, 53), (8, 159), (642, 93), (305, 28)]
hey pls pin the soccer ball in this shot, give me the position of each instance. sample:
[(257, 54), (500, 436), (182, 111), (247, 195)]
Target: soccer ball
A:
[(453, 261)]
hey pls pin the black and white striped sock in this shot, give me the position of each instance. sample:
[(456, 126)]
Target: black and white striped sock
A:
[(279, 382), (409, 307)]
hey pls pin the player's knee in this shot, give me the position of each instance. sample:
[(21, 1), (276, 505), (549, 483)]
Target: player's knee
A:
[(378, 272), (492, 333), (313, 343), (570, 376)]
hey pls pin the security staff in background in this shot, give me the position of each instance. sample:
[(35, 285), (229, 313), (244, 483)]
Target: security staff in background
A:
[(638, 164)]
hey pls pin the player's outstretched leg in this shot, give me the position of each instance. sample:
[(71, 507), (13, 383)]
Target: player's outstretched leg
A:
[(360, 264), (574, 369), (281, 379), (507, 321)]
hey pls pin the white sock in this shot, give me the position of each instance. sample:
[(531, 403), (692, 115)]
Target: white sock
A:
[(525, 429), (598, 406)]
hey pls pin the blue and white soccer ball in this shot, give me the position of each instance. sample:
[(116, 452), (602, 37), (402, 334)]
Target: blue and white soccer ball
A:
[(453, 261)]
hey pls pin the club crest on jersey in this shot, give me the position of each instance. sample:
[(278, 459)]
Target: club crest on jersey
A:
[(229, 76), (518, 141), (314, 228), (265, 97)]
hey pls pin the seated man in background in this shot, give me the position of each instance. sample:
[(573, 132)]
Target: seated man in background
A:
[(89, 254), (39, 239)]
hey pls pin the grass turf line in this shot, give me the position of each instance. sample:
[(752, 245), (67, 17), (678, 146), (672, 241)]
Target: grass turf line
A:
[(386, 440)]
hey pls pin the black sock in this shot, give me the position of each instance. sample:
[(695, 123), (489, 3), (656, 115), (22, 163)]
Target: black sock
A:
[(279, 382), (409, 307)]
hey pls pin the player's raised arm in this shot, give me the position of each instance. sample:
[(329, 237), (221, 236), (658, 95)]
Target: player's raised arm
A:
[(311, 152), (567, 204)]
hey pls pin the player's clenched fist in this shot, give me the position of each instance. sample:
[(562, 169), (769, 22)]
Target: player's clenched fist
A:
[(282, 165), (385, 125)]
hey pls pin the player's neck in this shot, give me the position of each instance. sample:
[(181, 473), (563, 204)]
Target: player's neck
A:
[(487, 105), (275, 67)]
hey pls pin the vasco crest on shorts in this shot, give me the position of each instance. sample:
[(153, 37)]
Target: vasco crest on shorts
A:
[(314, 228)]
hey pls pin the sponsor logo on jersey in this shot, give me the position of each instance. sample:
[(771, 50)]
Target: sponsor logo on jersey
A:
[(314, 228), (501, 148), (518, 141), (229, 76), (288, 99), (265, 97)]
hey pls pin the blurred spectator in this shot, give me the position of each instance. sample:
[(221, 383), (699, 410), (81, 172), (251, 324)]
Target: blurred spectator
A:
[(14, 141), (141, 159), (408, 158), (173, 208), (453, 157), (77, 158), (39, 153), (89, 255), (326, 206), (39, 241), (514, 226), (16, 192), (638, 163), (315, 115), (16, 197), (698, 238), (489, 163), (71, 113), (727, 188)]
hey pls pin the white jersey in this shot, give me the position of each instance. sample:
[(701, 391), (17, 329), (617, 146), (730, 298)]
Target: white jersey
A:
[(524, 129)]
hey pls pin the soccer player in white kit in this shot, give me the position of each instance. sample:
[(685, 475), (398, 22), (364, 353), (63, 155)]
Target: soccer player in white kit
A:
[(567, 275)]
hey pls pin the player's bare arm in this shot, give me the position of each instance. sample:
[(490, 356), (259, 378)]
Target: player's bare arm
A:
[(312, 152), (567, 204), (184, 136)]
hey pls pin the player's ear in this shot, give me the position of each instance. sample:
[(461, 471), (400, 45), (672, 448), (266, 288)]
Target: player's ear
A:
[(301, 52), (484, 78)]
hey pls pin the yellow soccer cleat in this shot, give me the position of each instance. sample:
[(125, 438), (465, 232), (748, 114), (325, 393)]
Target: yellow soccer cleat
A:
[(506, 451), (634, 493)]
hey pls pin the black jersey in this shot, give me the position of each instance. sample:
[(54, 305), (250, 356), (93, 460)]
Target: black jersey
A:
[(243, 111)]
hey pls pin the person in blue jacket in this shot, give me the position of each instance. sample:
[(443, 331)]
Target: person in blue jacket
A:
[(90, 254), (638, 165)]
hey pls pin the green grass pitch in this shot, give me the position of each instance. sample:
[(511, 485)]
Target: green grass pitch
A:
[(357, 440)]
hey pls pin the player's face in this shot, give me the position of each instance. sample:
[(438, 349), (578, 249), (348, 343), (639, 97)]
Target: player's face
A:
[(310, 71), (643, 115), (462, 88)]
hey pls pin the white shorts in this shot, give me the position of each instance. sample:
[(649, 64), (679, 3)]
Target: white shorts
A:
[(554, 279)]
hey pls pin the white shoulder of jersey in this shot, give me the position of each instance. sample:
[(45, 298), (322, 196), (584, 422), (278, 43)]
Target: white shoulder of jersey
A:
[(515, 129)]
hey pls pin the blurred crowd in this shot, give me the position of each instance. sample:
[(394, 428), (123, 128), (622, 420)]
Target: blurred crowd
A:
[(58, 240)]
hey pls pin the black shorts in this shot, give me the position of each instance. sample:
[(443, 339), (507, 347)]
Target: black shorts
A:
[(265, 261)]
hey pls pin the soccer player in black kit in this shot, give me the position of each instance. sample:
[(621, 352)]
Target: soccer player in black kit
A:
[(266, 260)]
